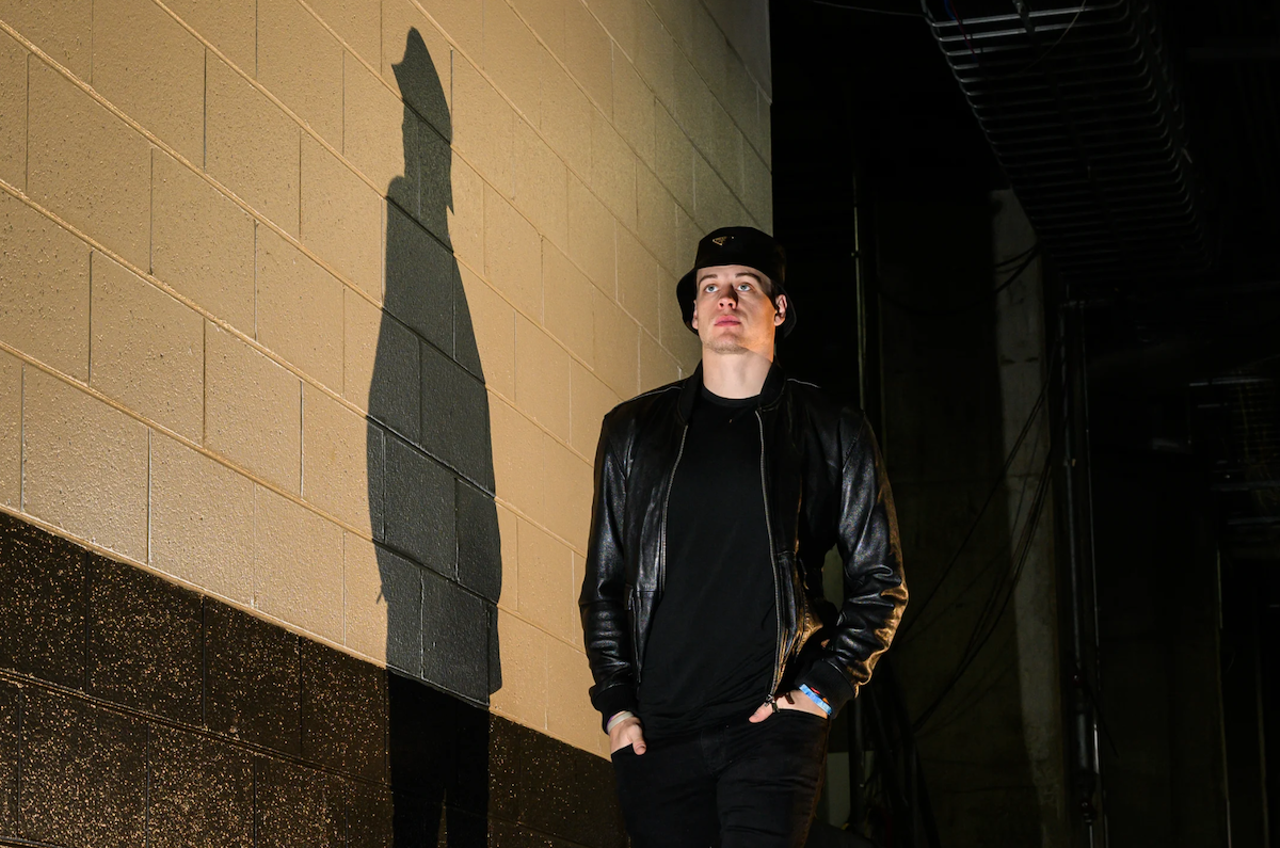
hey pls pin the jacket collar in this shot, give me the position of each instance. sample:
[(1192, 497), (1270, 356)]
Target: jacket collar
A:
[(770, 393)]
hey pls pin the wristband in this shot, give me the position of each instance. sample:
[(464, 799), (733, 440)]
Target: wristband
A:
[(620, 717), (817, 698)]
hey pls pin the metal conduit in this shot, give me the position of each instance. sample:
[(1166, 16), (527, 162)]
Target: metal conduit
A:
[(1079, 105)]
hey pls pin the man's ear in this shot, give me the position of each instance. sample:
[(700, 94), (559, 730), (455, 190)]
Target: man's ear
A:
[(780, 304)]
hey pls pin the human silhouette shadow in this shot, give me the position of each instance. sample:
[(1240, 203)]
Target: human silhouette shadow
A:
[(430, 462)]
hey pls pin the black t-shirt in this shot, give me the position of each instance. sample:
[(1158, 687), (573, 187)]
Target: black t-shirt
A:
[(711, 645)]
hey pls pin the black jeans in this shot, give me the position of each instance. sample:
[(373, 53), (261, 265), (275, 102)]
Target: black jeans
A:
[(734, 785)]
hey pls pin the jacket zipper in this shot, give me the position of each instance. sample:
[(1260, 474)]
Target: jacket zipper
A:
[(773, 567), (662, 552), (666, 509)]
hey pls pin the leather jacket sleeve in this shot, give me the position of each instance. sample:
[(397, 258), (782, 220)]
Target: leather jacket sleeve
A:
[(603, 601), (875, 592)]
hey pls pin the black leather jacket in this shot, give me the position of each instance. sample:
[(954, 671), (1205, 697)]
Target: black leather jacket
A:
[(824, 484)]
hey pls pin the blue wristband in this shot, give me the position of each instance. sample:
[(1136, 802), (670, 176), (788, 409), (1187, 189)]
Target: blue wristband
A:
[(817, 699)]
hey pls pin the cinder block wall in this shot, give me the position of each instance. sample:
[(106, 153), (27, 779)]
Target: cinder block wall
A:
[(315, 307)]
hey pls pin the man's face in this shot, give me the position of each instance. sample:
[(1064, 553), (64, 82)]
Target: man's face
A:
[(733, 312)]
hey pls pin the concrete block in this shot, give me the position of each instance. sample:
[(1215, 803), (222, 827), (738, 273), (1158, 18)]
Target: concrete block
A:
[(569, 487), (301, 63), (656, 217), (382, 367), (251, 146), (61, 28), (201, 520), (493, 322), (13, 105), (673, 334), (694, 104), (84, 465), (202, 244), (638, 280), (419, 508), (382, 604), (435, 187), (541, 185), (461, 20), (44, 289), (455, 418), (567, 303), (542, 378), (588, 53), (10, 431), (376, 134), (570, 715), (299, 309), (297, 563), (147, 349), (479, 541), (507, 529), (591, 237), (619, 19), (711, 50), (253, 410), (230, 25), (510, 50), (341, 218), (726, 148), (160, 86), (764, 111), (655, 54), (513, 254), (616, 340), (677, 17), (565, 112), (633, 109), (483, 126), (757, 186), (343, 460), (466, 215), (88, 166), (657, 366), (517, 457), (713, 202), (546, 17), (739, 97), (688, 234), (428, 75), (419, 282), (547, 596), (357, 22), (673, 157), (590, 400), (613, 170), (456, 632), (523, 696)]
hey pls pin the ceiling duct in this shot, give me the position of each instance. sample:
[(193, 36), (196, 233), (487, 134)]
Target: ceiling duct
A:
[(1080, 108)]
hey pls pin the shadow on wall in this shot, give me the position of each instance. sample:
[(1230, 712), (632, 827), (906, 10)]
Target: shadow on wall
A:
[(440, 561)]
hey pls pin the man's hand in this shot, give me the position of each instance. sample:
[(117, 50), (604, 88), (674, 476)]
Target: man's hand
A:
[(624, 733), (793, 700)]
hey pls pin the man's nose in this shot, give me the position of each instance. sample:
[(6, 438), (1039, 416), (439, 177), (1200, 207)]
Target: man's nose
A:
[(728, 297)]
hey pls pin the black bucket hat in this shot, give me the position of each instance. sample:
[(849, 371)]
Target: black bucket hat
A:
[(738, 246)]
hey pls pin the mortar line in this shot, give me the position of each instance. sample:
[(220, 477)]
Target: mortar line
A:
[(151, 233), (89, 375), (204, 115), (26, 141)]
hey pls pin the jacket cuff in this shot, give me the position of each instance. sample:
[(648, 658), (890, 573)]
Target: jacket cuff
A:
[(825, 678), (614, 700)]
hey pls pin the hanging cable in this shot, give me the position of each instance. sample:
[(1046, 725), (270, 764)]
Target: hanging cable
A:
[(965, 307), (849, 7)]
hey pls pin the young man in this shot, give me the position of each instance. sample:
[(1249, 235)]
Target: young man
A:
[(717, 662)]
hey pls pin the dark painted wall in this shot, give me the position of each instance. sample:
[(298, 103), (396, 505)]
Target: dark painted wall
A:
[(135, 712)]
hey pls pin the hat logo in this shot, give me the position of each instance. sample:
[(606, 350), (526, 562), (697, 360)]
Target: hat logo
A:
[(720, 240)]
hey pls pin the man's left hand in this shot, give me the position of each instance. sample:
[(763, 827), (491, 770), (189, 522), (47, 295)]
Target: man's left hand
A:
[(793, 700)]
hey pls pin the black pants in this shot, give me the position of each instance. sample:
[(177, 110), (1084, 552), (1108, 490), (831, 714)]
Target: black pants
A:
[(735, 785)]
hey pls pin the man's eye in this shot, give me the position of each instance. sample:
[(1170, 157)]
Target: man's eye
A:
[(744, 287), (709, 287)]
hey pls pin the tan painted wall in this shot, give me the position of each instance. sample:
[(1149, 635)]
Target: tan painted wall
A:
[(193, 219)]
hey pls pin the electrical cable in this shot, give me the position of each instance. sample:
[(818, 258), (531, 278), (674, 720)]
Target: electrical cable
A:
[(973, 527), (848, 7), (1051, 47), (937, 312)]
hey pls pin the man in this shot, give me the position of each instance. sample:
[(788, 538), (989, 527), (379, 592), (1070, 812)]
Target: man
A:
[(717, 663)]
